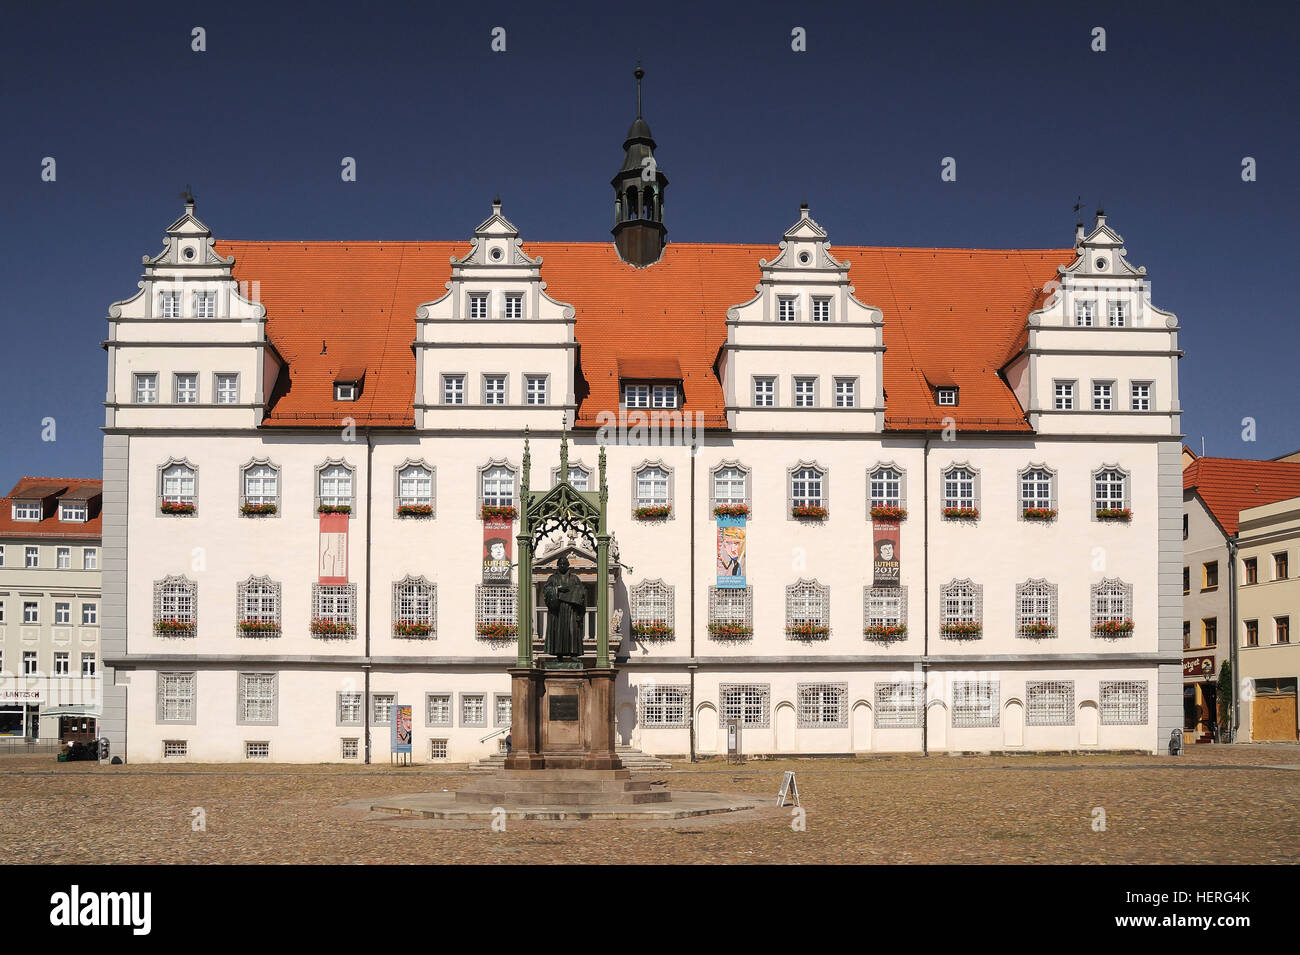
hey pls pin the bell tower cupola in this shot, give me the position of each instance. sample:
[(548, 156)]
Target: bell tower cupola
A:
[(639, 231)]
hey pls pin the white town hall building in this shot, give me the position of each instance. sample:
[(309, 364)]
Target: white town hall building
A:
[(897, 499)]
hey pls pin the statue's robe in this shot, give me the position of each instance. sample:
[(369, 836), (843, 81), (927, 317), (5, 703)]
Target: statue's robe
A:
[(565, 614)]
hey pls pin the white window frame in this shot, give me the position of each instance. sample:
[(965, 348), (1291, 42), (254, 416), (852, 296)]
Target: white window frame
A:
[(960, 487), (31, 612), (185, 386), (335, 604), (652, 486), (31, 556), (536, 390), (493, 475), (225, 388), (90, 615), (1117, 314), (663, 396), (349, 708), (804, 389), (1124, 702), (1103, 395), (1085, 313), (731, 608), (975, 703), (415, 601), (961, 603), (664, 706), (787, 308), (1141, 400), (1063, 395), (808, 604), (478, 305), (89, 664), (259, 484), (169, 304), (63, 613), (1036, 608), (808, 484), (1104, 483), (884, 607), (821, 308), (946, 397), (74, 512), (177, 697), (636, 394), (899, 705), (146, 387), (653, 604), (257, 599), (751, 703), (257, 698), (414, 485), (335, 484), (446, 702), (382, 703), (63, 558), (1049, 703), (496, 605), (846, 392), (62, 663), (764, 391), (472, 714), (1036, 489), (822, 705), (205, 304), (90, 558), (176, 598), (178, 483), (453, 389), (514, 305), (1111, 599), (27, 511), (729, 476), (495, 389)]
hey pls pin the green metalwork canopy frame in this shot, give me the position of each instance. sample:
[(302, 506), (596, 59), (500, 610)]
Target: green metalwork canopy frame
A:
[(562, 508)]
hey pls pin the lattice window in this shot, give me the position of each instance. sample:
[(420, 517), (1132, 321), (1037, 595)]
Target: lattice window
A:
[(176, 697), (473, 709), (176, 748), (729, 486), (747, 702), (884, 613), (1112, 608), (175, 607), (1037, 494), (652, 610), (823, 705), (257, 697), (437, 749), (1049, 703), (497, 485), (731, 613), (502, 706), (415, 490), (260, 749), (496, 612), (334, 610), (1110, 496), (259, 488), (415, 608), (381, 708), (961, 497), (807, 610), (975, 703), (898, 705), (437, 707), (1123, 702), (348, 709), (351, 748), (961, 604), (257, 606), (1036, 609), (664, 707), (335, 487)]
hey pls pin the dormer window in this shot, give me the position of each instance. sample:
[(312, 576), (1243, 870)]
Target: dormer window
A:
[(821, 309), (27, 510), (347, 383), (946, 397), (75, 512), (636, 396), (786, 306), (1083, 314), (478, 305), (205, 304), (171, 304), (650, 395), (664, 396), (345, 391), (1118, 314), (514, 305)]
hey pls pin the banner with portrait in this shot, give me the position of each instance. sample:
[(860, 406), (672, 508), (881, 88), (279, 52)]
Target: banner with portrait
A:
[(885, 543), (332, 567), (731, 552), (401, 738), (498, 533)]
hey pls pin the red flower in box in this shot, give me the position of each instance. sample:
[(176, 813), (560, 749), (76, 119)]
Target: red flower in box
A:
[(256, 509), (174, 625), (326, 627), (889, 512), (1113, 628), (731, 510), (961, 513), (253, 625), (415, 510), (811, 511), (1114, 514), (961, 629), (725, 629), (497, 512), (656, 512), (1040, 513), (807, 630), (334, 509), (497, 631), (1038, 629), (885, 631), (652, 629), (411, 628), (178, 507)]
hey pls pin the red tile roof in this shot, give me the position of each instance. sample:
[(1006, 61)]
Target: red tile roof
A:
[(952, 314), (1228, 485), (75, 489)]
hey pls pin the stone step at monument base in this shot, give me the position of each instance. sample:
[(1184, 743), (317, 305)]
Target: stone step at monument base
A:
[(561, 787), (631, 758)]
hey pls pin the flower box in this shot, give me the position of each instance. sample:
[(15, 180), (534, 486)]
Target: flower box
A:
[(178, 507), (497, 512), (174, 626), (1038, 629), (652, 630), (655, 512), (497, 631), (1039, 513), (809, 511), (415, 510), (1113, 628), (719, 628), (962, 630), (334, 509), (811, 630), (731, 510), (324, 627), (885, 631), (889, 512), (961, 513), (255, 510), (411, 628), (1114, 514), (264, 627)]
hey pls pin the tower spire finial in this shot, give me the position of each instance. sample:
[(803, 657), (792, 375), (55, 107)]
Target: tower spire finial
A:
[(638, 74), (564, 447)]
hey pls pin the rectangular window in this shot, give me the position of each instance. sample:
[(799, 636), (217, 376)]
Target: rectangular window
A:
[(478, 306), (437, 749), (1282, 629), (1252, 633), (501, 704), (333, 610), (146, 389), (62, 664), (499, 487), (90, 559), (438, 709), (846, 392), (257, 750), (494, 389), (351, 748), (1187, 635), (1049, 703), (349, 709), (636, 396), (1036, 489), (1210, 632), (27, 511), (946, 397), (764, 392), (227, 389), (175, 748), (1279, 566), (652, 487), (62, 614), (205, 304), (665, 396), (535, 389), (898, 705), (31, 557), (974, 703), (805, 392), (1210, 575), (821, 309), (257, 697), (1118, 314), (345, 391), (1083, 312), (1123, 703), (31, 612), (187, 389), (884, 607), (747, 702), (1140, 396), (514, 305), (806, 488), (29, 663), (473, 709), (1063, 395), (453, 389), (959, 488), (1102, 395), (381, 708), (1187, 580), (2, 555), (1250, 567), (176, 697), (73, 513), (822, 705), (664, 707), (171, 304), (63, 558), (87, 664), (787, 306)]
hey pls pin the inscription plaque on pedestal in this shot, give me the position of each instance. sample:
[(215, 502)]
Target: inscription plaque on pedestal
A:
[(564, 709)]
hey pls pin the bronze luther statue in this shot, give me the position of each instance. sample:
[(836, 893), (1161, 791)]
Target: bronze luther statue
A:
[(566, 607)]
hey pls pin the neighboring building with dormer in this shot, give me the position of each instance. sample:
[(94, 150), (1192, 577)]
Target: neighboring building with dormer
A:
[(854, 507), (50, 609)]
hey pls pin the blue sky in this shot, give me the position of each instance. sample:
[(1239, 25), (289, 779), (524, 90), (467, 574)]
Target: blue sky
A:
[(1155, 128)]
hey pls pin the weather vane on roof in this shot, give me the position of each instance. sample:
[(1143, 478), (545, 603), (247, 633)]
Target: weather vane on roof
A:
[(1078, 204), (188, 195)]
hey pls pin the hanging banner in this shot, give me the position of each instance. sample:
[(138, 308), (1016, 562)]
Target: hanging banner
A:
[(333, 568), (497, 535), (885, 547), (731, 552), (401, 740)]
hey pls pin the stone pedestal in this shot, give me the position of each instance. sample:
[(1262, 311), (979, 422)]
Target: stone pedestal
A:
[(562, 719)]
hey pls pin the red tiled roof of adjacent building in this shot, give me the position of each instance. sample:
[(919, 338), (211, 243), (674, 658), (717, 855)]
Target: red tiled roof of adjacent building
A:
[(73, 489), (957, 314), (1229, 485)]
